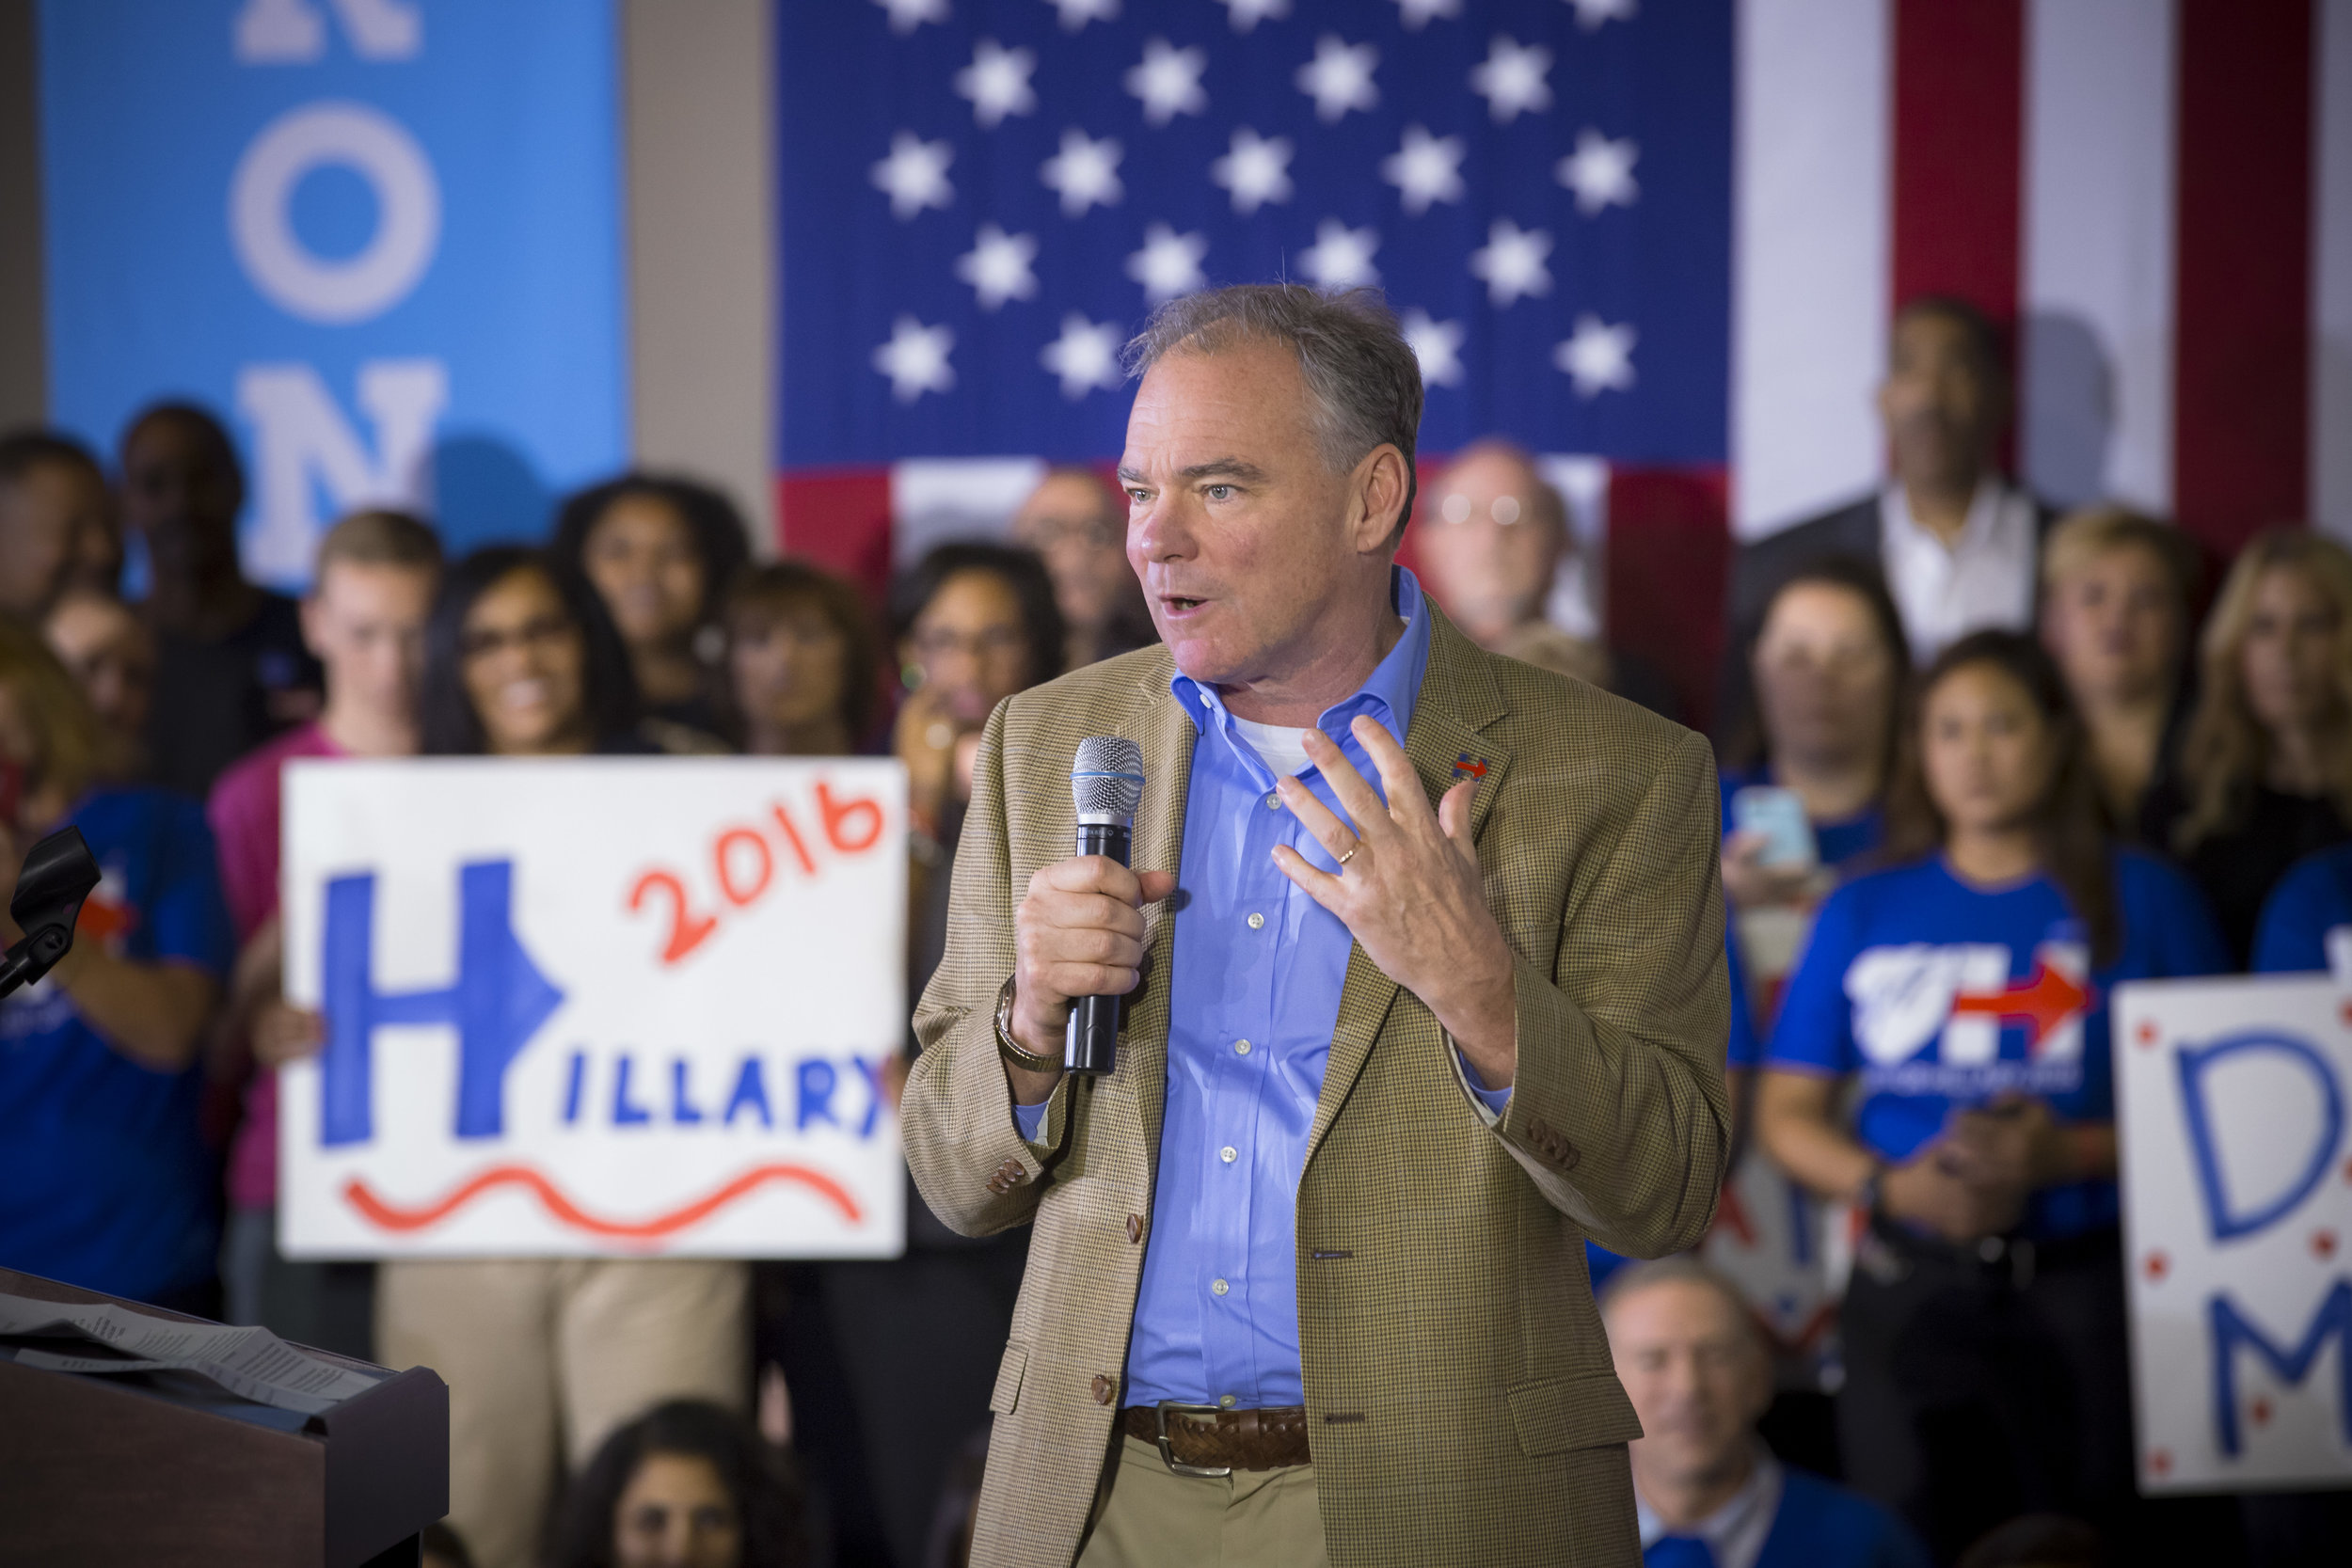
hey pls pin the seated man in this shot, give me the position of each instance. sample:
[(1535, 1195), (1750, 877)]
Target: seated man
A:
[(1708, 1492)]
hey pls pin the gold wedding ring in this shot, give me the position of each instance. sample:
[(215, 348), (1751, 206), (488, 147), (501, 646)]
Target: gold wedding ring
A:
[(1351, 852)]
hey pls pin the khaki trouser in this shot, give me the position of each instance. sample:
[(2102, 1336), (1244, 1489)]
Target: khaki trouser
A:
[(545, 1356), (1249, 1519)]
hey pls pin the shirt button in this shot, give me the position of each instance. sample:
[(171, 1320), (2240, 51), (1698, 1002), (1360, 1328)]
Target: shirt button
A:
[(1241, 1048), (1226, 1401), (1274, 802), (1257, 922), (1218, 1287), (1227, 1154)]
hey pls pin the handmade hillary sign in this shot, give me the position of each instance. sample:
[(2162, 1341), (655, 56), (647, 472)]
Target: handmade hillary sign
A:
[(595, 1006), (2237, 1211)]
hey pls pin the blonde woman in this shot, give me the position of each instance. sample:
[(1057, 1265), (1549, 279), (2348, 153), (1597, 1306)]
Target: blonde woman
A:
[(2115, 598), (105, 1178), (2265, 771)]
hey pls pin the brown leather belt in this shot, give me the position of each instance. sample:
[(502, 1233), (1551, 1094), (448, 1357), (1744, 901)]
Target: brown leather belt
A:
[(1203, 1440)]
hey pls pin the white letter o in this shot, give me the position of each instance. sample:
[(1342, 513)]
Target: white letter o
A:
[(408, 213)]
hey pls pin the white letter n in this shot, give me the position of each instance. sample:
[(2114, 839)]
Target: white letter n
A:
[(300, 435)]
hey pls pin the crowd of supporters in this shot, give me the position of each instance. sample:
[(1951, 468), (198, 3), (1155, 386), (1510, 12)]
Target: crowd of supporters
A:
[(1950, 722)]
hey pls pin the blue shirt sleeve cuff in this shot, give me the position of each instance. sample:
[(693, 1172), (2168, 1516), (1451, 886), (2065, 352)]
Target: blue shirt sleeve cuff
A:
[(1494, 1100), (1030, 1120)]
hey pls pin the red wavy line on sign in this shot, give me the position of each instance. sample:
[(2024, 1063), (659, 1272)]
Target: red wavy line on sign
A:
[(393, 1218)]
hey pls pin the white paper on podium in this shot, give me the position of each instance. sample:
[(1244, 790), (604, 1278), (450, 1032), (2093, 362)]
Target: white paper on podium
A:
[(251, 1363)]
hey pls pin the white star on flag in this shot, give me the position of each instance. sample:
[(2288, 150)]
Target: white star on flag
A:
[(1436, 344), (915, 174), (1169, 263), (1592, 13), (1340, 257), (998, 83), (907, 15), (1256, 170), (1600, 171), (1512, 262), (997, 266), (1085, 172), (1338, 78), (1075, 14), (1597, 356), (1168, 81), (1416, 14), (1086, 355), (1511, 79), (1424, 168), (1247, 14), (915, 358)]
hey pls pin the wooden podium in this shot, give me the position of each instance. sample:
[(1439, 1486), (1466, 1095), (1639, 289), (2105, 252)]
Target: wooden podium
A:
[(106, 1470)]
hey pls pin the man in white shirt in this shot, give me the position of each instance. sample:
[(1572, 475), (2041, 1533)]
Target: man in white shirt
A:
[(1958, 540)]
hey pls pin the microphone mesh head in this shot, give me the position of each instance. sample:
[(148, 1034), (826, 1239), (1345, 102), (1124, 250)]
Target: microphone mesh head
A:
[(1106, 779)]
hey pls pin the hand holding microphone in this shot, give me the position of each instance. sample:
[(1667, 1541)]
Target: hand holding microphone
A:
[(1079, 929)]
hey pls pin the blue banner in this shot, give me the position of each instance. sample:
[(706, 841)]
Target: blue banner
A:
[(382, 238)]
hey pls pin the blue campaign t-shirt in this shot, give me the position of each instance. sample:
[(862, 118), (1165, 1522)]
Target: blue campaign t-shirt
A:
[(1841, 843), (1941, 995), (105, 1181), (2314, 899)]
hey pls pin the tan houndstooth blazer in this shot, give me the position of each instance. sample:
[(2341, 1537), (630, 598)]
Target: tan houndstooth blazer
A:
[(1461, 1405)]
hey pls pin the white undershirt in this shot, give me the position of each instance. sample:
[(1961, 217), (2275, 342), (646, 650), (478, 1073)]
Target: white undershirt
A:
[(1984, 579), (1281, 749)]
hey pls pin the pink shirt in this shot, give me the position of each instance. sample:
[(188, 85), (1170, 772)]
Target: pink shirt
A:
[(244, 813)]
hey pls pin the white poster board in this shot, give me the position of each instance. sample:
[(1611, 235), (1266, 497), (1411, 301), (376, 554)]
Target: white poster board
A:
[(595, 1006), (2230, 1096)]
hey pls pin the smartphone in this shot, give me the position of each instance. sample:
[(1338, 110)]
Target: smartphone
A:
[(1779, 816)]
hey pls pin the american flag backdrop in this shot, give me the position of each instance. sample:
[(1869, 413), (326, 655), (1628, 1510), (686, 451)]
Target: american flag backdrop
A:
[(1657, 241)]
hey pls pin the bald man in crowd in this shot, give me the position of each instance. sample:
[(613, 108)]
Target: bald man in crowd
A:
[(1707, 1492), (1078, 525), (1493, 540)]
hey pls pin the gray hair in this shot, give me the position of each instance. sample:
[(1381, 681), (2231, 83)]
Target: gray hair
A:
[(1681, 1269), (1362, 378)]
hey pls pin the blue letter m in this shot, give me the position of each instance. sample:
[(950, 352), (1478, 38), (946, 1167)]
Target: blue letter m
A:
[(2230, 1330), (496, 1003)]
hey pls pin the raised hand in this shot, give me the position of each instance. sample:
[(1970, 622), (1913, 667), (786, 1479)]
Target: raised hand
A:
[(1409, 889)]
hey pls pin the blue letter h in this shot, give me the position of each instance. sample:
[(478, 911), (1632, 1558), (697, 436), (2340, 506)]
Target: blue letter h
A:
[(496, 1003)]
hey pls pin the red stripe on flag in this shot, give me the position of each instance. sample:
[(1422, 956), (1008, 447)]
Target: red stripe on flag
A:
[(1669, 554), (1958, 139), (2241, 408), (840, 520)]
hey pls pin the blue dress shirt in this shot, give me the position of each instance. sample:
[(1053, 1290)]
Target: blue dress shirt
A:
[(1254, 994)]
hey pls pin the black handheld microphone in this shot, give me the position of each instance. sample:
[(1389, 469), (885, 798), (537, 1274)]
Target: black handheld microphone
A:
[(1106, 784)]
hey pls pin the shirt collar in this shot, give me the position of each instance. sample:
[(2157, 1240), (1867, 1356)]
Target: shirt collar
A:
[(1388, 694), (1762, 1490), (1984, 515)]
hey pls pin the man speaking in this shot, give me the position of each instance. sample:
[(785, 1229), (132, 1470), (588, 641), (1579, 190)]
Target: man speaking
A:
[(1425, 984)]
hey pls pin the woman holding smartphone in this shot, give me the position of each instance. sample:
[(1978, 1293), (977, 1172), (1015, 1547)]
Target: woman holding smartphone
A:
[(1966, 989)]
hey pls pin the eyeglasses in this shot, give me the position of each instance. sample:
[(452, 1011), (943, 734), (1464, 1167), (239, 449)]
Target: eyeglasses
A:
[(1457, 507), (989, 642), (538, 631), (1104, 532)]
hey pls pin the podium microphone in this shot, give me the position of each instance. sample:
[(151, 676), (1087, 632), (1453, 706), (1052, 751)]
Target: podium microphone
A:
[(1106, 784)]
